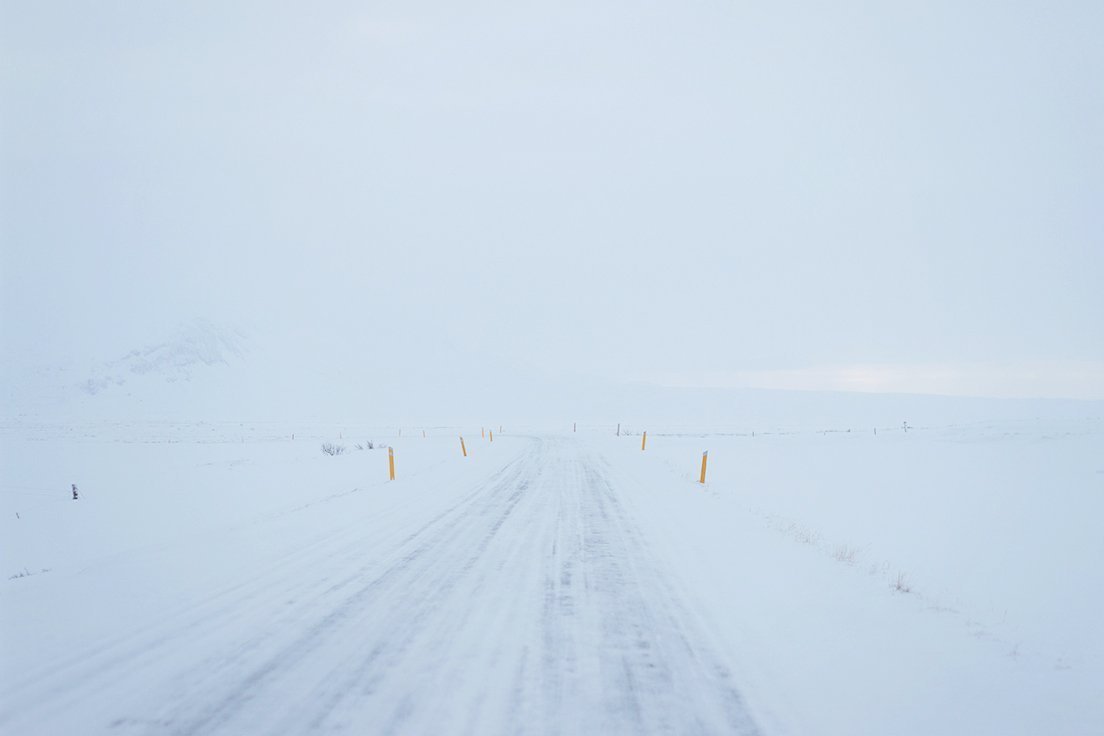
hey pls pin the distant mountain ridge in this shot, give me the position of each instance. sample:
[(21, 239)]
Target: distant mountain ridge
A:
[(207, 371), (196, 345)]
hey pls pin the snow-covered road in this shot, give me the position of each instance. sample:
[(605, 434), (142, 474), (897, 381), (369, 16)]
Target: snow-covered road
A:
[(528, 602)]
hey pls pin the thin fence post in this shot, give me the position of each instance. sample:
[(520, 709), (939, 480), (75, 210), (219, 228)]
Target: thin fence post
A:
[(463, 449), (391, 461), (705, 457), (644, 441)]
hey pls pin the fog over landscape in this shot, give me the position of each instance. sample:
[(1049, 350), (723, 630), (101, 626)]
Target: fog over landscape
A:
[(808, 197), (551, 367)]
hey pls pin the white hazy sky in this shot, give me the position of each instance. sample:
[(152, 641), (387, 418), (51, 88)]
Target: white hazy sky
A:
[(858, 195)]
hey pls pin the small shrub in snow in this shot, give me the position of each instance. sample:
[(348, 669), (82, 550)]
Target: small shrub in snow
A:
[(902, 585), (26, 573), (843, 553), (328, 448), (802, 534)]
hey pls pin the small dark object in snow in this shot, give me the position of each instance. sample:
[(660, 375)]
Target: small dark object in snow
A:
[(74, 491)]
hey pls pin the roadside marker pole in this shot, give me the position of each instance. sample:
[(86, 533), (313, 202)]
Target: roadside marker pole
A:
[(482, 433), (619, 429), (423, 434), (574, 426), (391, 461), (490, 433), (462, 448), (705, 457), (643, 441)]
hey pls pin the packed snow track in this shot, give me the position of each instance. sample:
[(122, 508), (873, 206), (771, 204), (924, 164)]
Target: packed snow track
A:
[(530, 603)]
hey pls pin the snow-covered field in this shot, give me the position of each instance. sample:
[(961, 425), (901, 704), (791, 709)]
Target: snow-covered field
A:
[(226, 578), (798, 541)]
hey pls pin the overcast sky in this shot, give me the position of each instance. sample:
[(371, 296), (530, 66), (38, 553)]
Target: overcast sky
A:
[(860, 195)]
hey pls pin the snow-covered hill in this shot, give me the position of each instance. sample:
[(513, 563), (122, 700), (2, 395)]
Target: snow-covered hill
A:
[(187, 362), (196, 347)]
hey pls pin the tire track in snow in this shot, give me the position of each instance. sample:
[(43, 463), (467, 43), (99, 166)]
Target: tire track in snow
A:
[(232, 608)]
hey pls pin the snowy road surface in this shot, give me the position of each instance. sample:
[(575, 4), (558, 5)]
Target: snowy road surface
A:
[(526, 602)]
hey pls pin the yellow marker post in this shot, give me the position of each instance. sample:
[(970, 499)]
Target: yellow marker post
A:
[(462, 448), (482, 433), (391, 461), (643, 441), (705, 457), (490, 433)]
